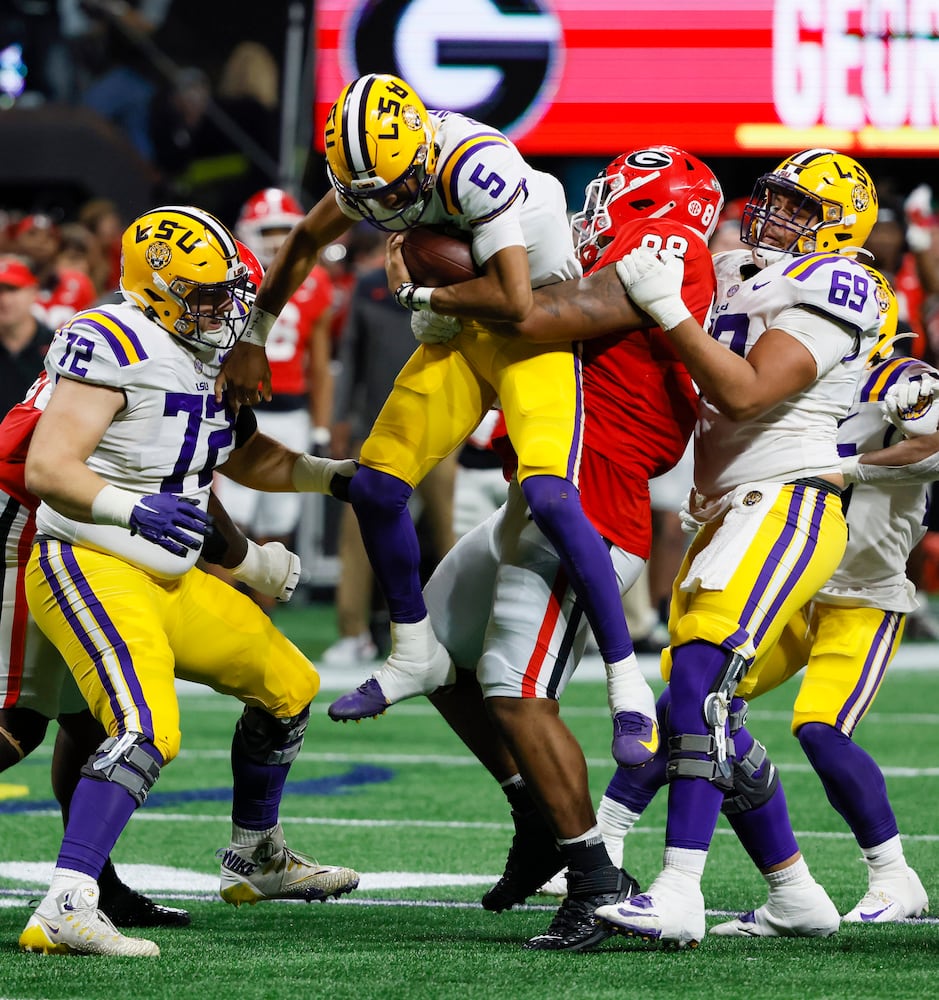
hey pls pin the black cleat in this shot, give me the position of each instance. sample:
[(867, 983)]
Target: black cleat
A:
[(533, 858), (574, 927), (127, 908)]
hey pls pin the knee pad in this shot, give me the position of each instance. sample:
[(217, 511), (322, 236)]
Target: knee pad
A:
[(750, 788), (265, 739), (130, 761)]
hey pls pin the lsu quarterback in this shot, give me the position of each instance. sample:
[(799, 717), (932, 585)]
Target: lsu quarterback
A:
[(397, 165)]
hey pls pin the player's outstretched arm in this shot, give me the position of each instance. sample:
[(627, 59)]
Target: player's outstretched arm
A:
[(262, 463)]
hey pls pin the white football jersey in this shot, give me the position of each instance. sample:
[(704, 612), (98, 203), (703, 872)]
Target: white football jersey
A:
[(484, 186), (884, 521), (827, 303), (169, 437)]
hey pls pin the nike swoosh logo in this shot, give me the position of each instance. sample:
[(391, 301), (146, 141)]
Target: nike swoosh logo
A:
[(653, 742), (762, 284), (52, 927), (874, 915)]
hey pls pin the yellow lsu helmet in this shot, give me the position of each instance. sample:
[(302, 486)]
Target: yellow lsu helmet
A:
[(183, 269), (889, 317), (831, 206), (380, 151)]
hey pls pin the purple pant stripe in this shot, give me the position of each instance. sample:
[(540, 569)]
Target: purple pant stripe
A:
[(573, 458), (875, 665)]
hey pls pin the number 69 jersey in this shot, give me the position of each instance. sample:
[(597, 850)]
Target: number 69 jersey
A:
[(168, 438), (833, 307)]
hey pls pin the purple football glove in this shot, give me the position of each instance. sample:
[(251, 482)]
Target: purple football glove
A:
[(174, 523)]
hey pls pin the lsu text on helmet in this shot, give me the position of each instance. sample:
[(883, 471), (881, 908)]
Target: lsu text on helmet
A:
[(646, 184), (817, 200), (380, 151), (181, 266), (265, 219)]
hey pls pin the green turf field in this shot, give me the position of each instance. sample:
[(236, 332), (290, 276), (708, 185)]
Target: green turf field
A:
[(400, 800)]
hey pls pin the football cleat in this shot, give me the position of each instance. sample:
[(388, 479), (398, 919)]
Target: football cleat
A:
[(807, 912), (397, 679), (270, 870), (889, 901), (72, 924), (556, 886), (126, 908), (635, 738), (574, 927), (533, 858), (671, 913)]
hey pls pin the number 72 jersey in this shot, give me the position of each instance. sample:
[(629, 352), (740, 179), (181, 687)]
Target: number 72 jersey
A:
[(833, 307), (168, 438)]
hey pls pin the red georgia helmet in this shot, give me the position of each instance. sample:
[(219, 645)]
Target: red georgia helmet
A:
[(269, 209), (647, 183)]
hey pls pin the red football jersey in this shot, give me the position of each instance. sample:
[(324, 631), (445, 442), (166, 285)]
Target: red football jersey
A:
[(639, 400), (73, 291), (16, 431), (289, 338)]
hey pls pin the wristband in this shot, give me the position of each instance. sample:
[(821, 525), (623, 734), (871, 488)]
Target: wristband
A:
[(849, 467), (114, 506), (258, 327), (413, 297), (670, 314)]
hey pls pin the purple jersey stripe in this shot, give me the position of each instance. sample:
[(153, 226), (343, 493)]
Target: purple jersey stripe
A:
[(483, 219), (875, 666), (877, 383), (805, 266)]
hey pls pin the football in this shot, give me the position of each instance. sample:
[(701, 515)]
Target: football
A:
[(435, 256)]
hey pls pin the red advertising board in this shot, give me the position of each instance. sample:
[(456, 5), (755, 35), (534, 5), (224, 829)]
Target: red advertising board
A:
[(719, 77)]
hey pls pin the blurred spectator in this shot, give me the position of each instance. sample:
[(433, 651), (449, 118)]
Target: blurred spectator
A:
[(375, 344), (298, 348), (727, 234), (24, 340), (62, 292), (217, 150), (79, 250), (102, 218), (343, 260), (113, 75), (480, 487)]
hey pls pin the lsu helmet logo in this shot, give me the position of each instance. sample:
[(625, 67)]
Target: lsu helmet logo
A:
[(158, 255), (860, 197)]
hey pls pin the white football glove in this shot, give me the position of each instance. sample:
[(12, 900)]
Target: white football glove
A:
[(913, 407), (432, 328), (270, 569), (653, 281), (920, 220)]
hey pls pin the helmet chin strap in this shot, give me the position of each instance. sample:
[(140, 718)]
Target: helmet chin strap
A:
[(763, 257)]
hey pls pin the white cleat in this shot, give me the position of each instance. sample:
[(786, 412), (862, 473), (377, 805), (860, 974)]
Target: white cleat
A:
[(671, 913), (888, 901), (270, 870), (72, 924), (556, 886), (807, 912)]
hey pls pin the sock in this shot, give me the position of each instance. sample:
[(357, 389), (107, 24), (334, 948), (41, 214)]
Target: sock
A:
[(796, 876), (886, 860), (556, 509), (380, 502), (587, 858), (615, 821), (242, 837), (627, 690), (516, 791), (685, 863)]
